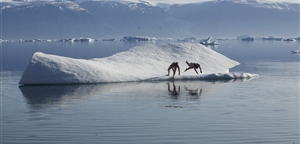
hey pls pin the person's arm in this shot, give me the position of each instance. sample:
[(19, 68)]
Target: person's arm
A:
[(178, 70)]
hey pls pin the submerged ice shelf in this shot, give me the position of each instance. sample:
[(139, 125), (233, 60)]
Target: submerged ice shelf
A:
[(141, 63)]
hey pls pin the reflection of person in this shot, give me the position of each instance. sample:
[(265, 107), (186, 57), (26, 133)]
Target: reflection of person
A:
[(174, 66), (194, 66), (193, 92), (174, 92)]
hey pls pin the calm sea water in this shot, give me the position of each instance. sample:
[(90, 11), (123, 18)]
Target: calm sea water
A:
[(260, 110)]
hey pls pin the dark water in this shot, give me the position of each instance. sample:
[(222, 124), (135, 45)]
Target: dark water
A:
[(259, 110)]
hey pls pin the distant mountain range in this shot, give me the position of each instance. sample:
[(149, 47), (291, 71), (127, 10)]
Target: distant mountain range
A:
[(109, 19)]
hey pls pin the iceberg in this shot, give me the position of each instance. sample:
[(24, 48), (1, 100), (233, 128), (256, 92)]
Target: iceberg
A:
[(138, 38), (147, 62), (296, 52), (248, 39), (209, 41), (289, 39), (190, 39), (272, 38), (77, 40)]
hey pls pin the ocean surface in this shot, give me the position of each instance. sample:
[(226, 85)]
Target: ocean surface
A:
[(259, 110)]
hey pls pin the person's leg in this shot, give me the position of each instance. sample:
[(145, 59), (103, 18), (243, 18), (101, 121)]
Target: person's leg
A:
[(174, 71), (178, 70), (168, 71), (195, 70), (198, 65), (188, 68)]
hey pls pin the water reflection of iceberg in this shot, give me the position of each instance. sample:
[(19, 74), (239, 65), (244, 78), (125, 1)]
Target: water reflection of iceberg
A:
[(50, 95), (44, 96)]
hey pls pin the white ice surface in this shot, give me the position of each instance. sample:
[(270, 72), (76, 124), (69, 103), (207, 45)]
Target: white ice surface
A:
[(142, 63)]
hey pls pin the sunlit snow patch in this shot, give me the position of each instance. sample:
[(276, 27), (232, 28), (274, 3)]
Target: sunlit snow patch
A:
[(141, 63)]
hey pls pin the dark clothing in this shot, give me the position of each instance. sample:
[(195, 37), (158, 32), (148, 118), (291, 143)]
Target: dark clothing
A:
[(194, 66), (174, 66)]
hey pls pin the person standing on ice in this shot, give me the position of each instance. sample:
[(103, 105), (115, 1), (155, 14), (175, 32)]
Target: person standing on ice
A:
[(194, 66), (174, 66)]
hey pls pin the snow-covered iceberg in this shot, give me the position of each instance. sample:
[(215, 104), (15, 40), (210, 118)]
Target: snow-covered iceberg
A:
[(209, 41), (296, 52), (138, 38), (141, 63)]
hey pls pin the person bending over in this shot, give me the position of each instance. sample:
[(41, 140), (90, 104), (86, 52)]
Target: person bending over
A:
[(194, 66), (174, 66)]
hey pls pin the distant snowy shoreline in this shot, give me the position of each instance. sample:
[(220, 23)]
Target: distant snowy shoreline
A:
[(37, 19), (146, 38)]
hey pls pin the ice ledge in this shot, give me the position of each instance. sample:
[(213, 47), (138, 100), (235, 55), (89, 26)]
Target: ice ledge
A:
[(209, 77)]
